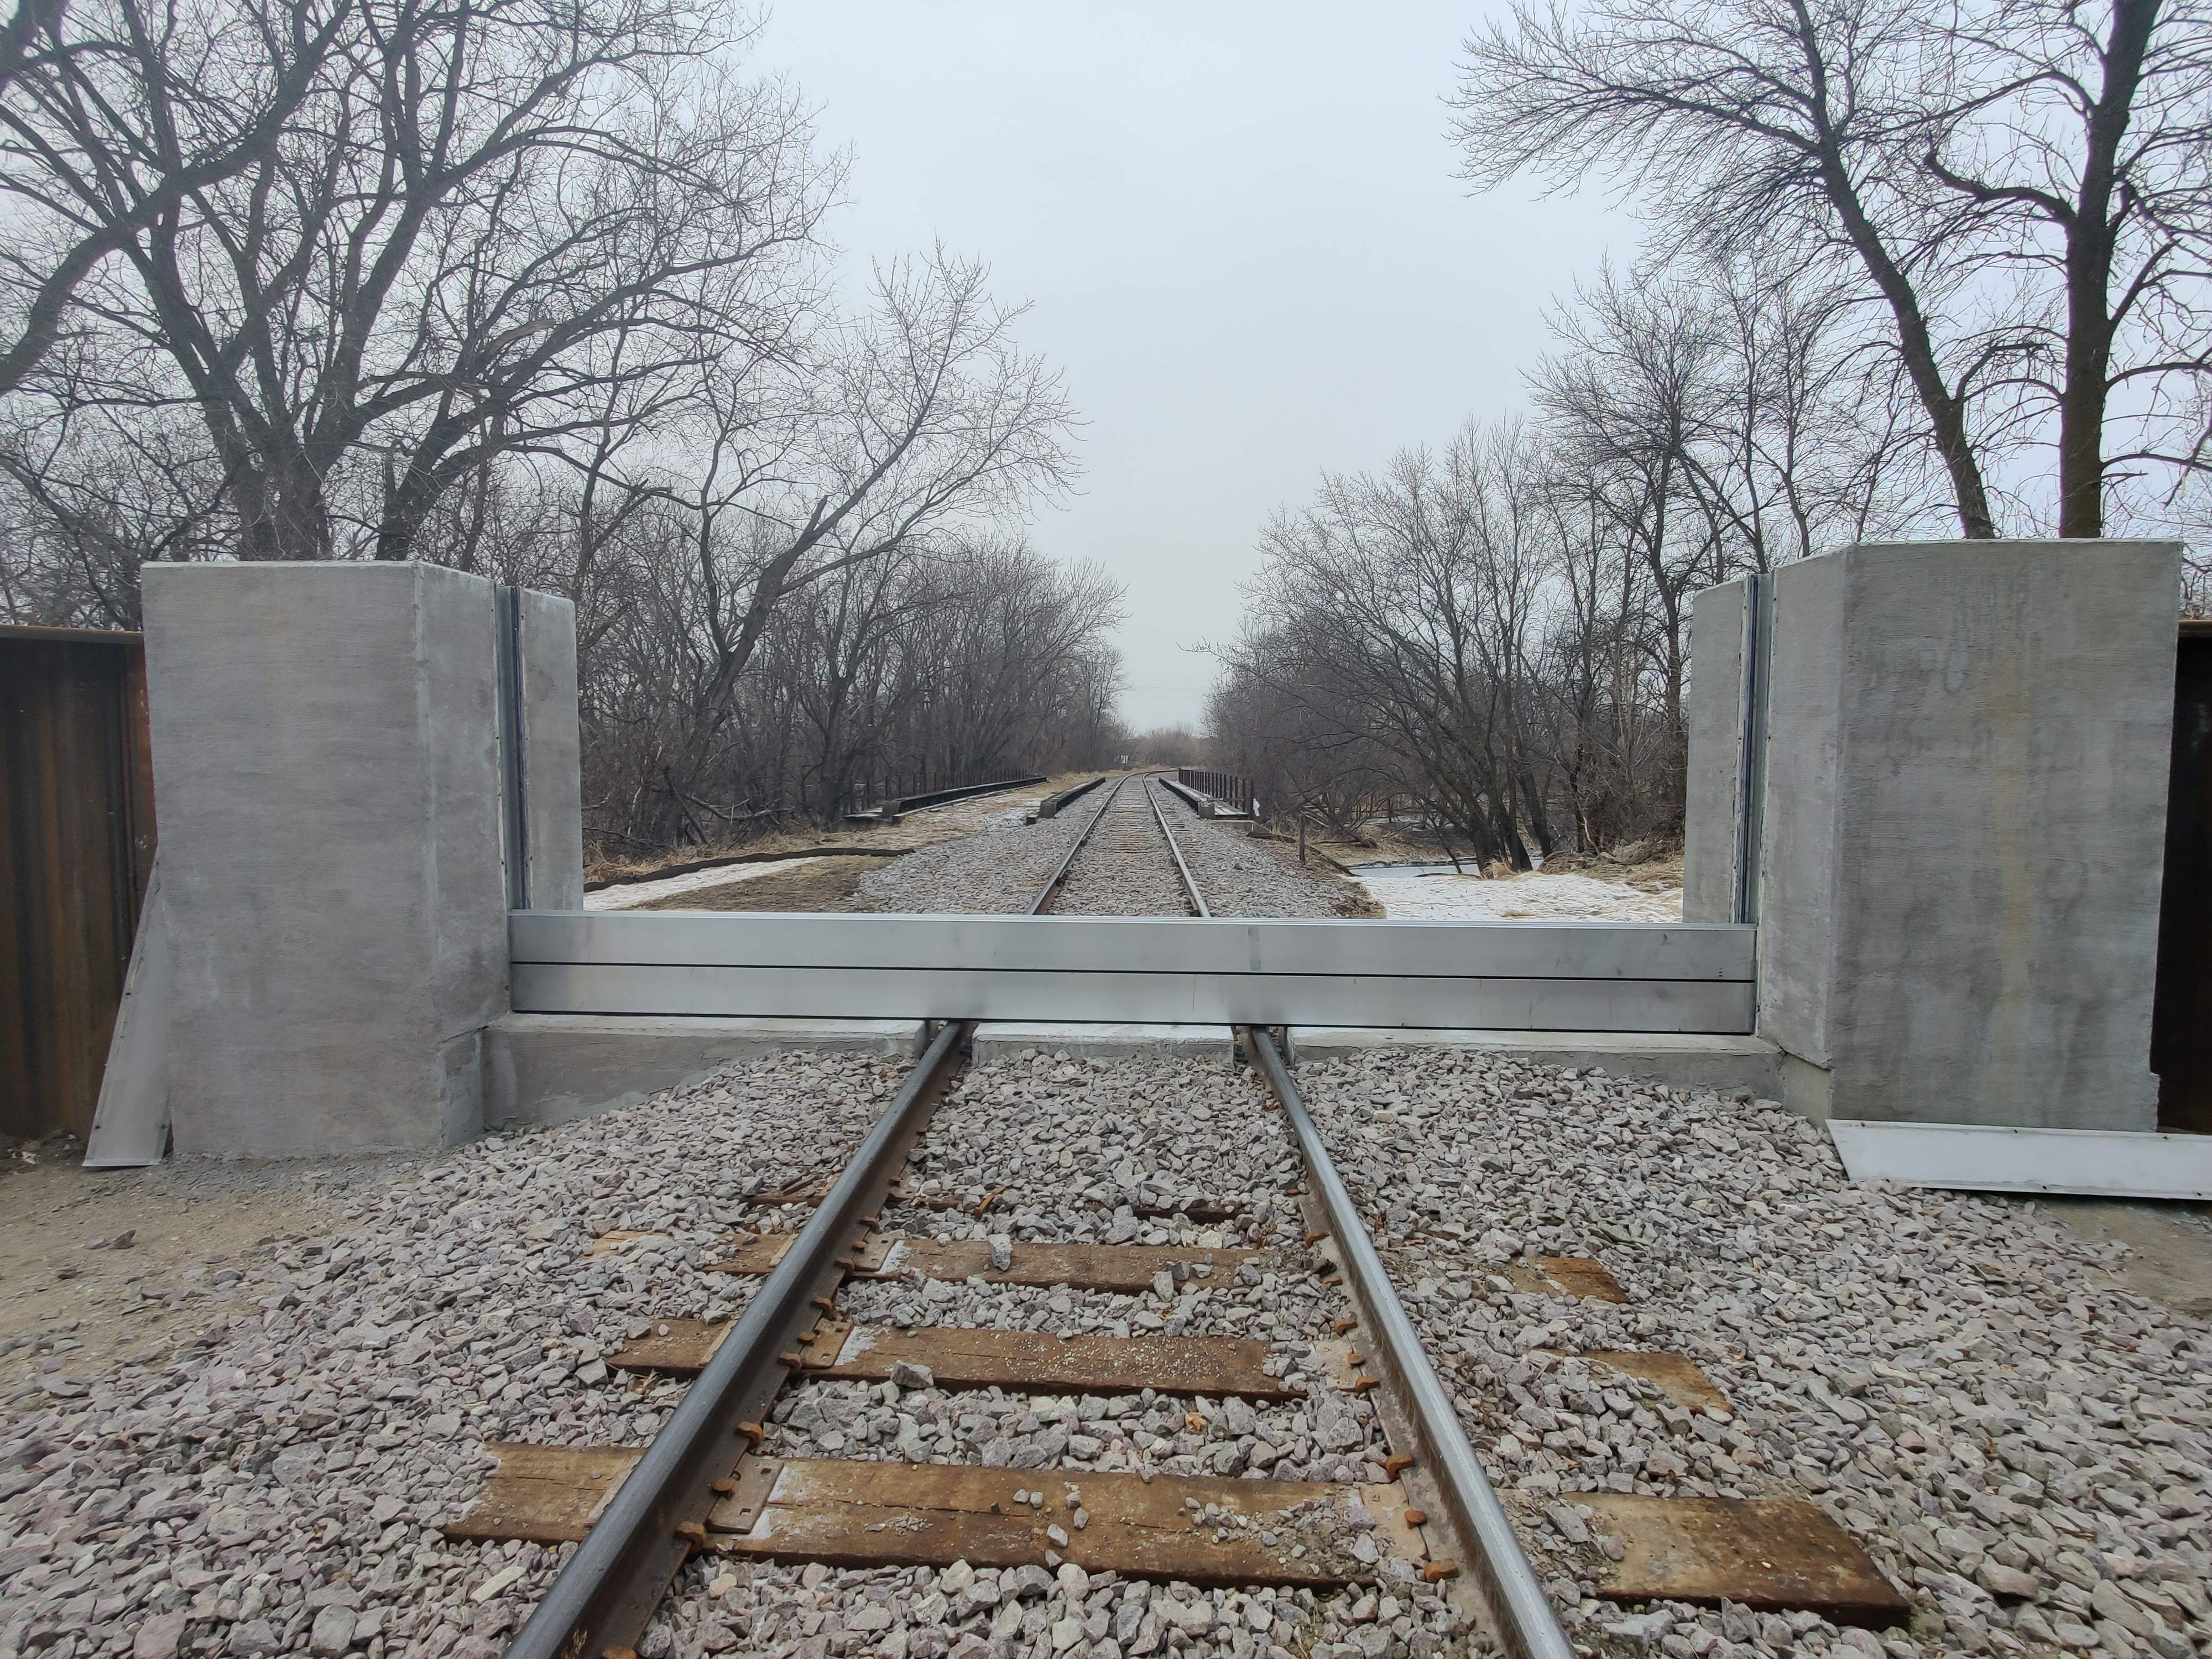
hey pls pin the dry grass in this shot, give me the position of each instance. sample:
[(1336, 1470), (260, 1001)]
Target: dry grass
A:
[(823, 886), (923, 828)]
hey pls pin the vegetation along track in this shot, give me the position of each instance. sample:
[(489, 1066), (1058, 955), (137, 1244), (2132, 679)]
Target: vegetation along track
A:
[(1079, 1359)]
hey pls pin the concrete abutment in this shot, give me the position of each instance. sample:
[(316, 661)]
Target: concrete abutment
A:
[(330, 745), (1957, 800), (1933, 775)]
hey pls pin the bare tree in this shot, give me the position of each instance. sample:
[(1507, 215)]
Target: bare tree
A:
[(923, 416), (1399, 608), (115, 118), (469, 221), (21, 36), (2074, 150), (534, 291), (2023, 195), (1500, 634)]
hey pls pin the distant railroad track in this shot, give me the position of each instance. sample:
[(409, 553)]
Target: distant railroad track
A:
[(1045, 894)]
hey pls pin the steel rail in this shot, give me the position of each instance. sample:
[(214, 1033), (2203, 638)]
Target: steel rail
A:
[(607, 1594), (1189, 883), (1043, 895), (1515, 1599)]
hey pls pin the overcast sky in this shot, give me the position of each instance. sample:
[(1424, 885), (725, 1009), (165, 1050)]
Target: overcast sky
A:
[(1239, 231)]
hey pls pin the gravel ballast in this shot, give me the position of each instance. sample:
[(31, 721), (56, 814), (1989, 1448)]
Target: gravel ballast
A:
[(1241, 877), (2017, 1440), (301, 1457), (1103, 1152), (996, 870), (1124, 870), (279, 1489)]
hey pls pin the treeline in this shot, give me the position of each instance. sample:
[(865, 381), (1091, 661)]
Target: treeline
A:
[(955, 659), (541, 291), (1493, 638), (1910, 272)]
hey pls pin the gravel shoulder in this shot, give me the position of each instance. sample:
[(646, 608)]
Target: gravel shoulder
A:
[(1242, 876), (102, 1266)]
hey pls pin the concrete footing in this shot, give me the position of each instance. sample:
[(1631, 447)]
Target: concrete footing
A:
[(1004, 1039), (360, 767), (1722, 1064), (554, 1068)]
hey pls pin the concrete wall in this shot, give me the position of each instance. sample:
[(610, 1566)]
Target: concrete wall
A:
[(1804, 869), (1964, 817), (1715, 714), (551, 756), (326, 766)]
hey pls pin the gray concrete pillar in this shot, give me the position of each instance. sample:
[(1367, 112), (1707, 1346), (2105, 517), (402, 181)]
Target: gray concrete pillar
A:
[(327, 769), (1713, 798), (1961, 826), (542, 735)]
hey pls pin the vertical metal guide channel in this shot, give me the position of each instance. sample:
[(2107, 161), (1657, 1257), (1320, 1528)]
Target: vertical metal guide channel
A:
[(514, 765), (1751, 738)]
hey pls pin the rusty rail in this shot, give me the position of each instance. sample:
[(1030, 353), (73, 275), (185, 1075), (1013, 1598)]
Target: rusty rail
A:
[(606, 1594), (1183, 869), (1513, 1596)]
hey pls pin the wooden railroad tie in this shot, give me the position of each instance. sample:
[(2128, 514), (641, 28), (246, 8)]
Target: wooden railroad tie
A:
[(1130, 1268), (1025, 1360), (855, 1513), (978, 1201), (1565, 1275), (1771, 1554)]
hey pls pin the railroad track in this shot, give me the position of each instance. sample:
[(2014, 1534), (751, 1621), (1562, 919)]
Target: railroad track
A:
[(1130, 1347), (1042, 900), (1405, 1514)]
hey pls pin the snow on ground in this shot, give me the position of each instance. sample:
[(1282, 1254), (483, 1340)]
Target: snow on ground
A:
[(1532, 897), (630, 895)]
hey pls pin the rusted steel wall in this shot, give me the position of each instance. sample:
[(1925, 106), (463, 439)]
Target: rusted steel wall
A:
[(2181, 1018), (76, 850)]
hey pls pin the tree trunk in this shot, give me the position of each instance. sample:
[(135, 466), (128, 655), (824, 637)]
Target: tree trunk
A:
[(2089, 276), (1947, 415)]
